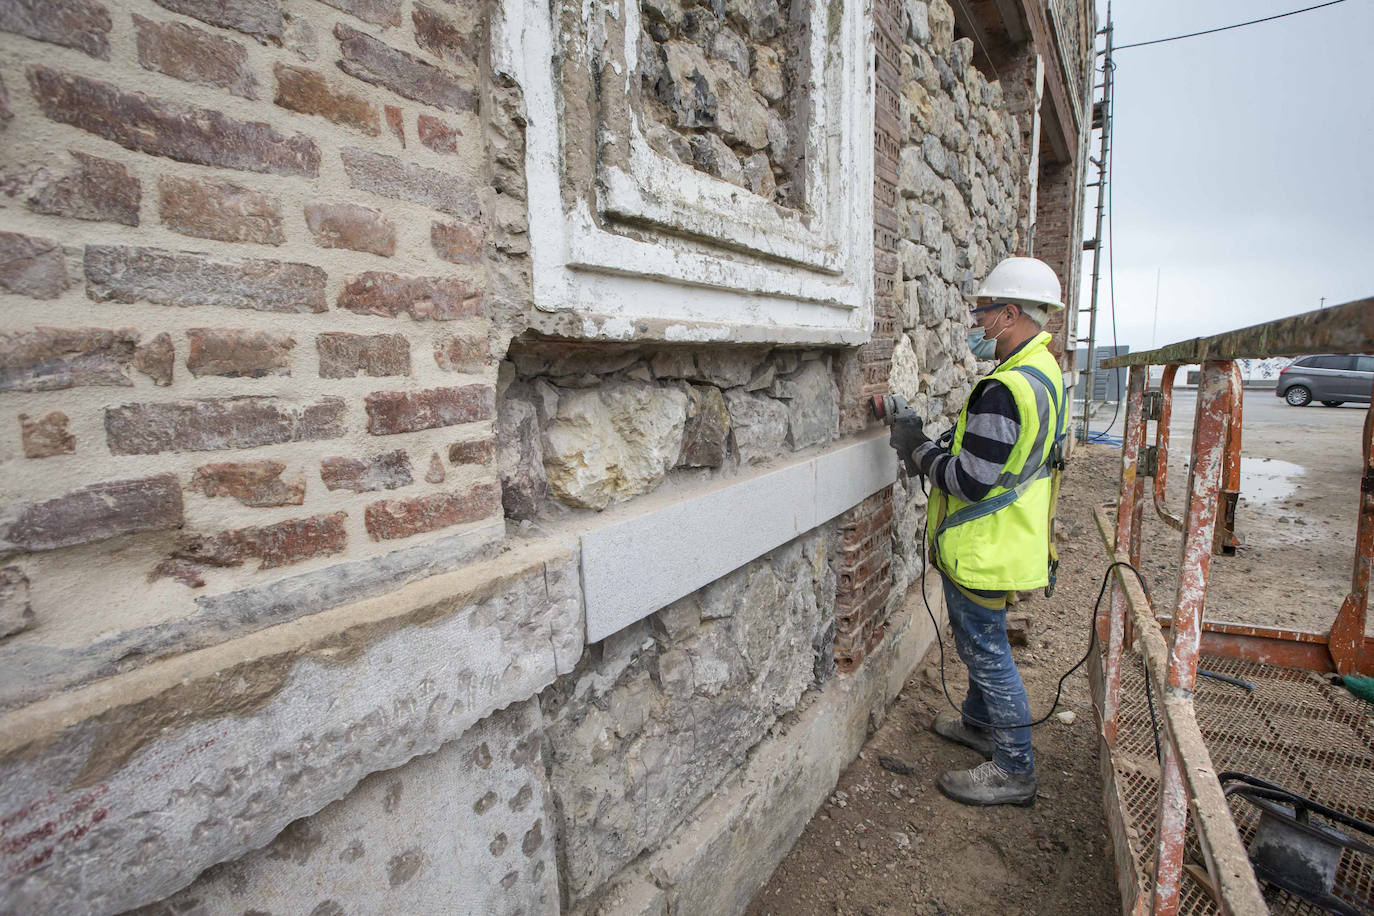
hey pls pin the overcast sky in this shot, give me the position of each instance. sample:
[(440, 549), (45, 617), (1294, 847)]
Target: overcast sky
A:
[(1244, 167)]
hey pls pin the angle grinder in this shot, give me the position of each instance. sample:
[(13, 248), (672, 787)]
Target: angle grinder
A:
[(890, 408)]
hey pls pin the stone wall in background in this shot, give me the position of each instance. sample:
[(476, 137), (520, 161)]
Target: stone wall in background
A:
[(962, 177)]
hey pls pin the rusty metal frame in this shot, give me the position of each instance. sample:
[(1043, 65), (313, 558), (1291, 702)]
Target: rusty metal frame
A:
[(1188, 784), (1166, 411)]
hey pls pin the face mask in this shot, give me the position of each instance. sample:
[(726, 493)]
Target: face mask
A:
[(983, 346)]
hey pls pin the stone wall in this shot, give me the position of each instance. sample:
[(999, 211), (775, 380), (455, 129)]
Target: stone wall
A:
[(279, 366)]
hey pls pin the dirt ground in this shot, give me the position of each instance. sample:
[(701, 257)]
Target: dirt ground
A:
[(887, 841), (1299, 494)]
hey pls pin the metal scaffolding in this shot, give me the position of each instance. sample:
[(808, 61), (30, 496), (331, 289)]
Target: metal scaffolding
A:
[(1191, 811)]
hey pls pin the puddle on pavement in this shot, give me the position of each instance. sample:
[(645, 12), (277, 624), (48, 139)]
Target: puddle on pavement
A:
[(1267, 480)]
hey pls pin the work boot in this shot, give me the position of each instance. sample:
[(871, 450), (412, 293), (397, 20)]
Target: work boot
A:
[(989, 784), (954, 728)]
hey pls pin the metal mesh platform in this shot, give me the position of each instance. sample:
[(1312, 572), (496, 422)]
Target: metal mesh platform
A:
[(1295, 729)]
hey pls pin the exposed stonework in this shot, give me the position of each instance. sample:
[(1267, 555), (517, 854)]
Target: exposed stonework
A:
[(717, 83), (16, 613), (610, 444), (295, 735), (668, 706), (388, 846)]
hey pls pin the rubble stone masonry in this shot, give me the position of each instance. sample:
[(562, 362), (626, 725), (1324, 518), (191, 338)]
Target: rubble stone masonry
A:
[(292, 493)]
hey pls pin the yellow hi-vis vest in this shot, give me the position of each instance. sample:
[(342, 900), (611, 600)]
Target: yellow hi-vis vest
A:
[(1002, 542)]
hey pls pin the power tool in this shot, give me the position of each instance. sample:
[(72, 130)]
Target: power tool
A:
[(890, 408)]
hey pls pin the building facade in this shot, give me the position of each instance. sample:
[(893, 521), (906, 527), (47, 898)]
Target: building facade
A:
[(436, 470)]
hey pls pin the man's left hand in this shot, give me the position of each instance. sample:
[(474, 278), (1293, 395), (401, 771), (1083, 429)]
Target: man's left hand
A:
[(907, 435)]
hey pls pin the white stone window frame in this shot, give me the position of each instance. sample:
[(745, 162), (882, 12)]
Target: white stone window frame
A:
[(706, 260)]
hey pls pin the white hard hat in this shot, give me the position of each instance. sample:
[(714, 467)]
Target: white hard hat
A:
[(1022, 280)]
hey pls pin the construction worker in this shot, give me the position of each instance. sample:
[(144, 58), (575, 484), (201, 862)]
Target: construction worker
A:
[(989, 519)]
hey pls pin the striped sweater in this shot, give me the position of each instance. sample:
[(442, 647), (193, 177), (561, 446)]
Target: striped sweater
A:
[(990, 433)]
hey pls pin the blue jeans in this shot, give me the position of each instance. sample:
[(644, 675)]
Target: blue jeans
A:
[(995, 692)]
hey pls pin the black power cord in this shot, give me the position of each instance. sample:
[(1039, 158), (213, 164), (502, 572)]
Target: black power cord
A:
[(1092, 641)]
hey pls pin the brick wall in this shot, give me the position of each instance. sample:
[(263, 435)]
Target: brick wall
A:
[(860, 604), (1056, 240), (864, 577), (246, 280)]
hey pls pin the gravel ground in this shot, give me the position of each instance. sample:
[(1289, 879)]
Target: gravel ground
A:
[(887, 841)]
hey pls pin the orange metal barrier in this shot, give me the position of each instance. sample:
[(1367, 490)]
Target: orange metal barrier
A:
[(1187, 779)]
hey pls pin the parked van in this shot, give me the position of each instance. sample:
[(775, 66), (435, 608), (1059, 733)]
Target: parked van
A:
[(1333, 380)]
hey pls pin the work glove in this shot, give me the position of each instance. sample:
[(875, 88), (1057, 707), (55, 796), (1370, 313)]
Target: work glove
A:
[(906, 434)]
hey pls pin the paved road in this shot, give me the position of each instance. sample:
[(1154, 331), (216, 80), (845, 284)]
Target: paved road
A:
[(1299, 496)]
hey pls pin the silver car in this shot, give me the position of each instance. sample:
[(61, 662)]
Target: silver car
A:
[(1333, 380)]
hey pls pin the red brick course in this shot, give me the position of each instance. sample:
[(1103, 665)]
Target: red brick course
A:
[(386, 471), (282, 544), (396, 121), (49, 359), (456, 242), (211, 424), (80, 24), (864, 579), (253, 483), (418, 184), (391, 295), (219, 210), (307, 92), (235, 353), (463, 353), (345, 225), (390, 412), (477, 451), (346, 355), (95, 512), (147, 125), (377, 12), (156, 359), (32, 266), (176, 278), (194, 55), (437, 34), (46, 436), (378, 63), (95, 189), (435, 134), (261, 19), (400, 518)]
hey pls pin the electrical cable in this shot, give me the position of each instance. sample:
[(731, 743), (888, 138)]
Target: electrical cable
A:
[(1154, 721), (1224, 28), (1058, 692), (995, 75)]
